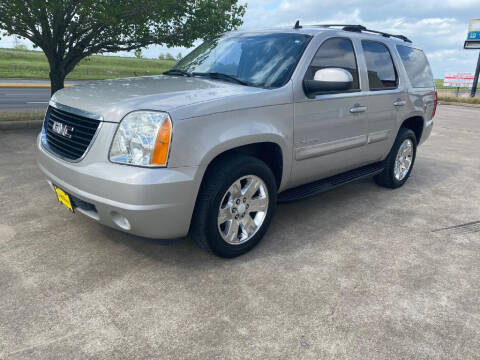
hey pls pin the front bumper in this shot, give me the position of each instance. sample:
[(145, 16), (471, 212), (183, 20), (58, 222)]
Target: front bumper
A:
[(158, 203)]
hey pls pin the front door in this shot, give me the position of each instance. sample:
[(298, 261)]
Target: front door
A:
[(330, 130)]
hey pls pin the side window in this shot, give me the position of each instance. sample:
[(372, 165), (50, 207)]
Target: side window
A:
[(381, 71), (335, 52), (416, 66)]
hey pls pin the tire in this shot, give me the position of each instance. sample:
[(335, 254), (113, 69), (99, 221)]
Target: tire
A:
[(388, 177), (218, 195)]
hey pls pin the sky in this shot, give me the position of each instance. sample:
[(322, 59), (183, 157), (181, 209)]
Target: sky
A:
[(437, 26)]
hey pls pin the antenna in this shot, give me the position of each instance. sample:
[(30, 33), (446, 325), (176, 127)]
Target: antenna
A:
[(297, 25)]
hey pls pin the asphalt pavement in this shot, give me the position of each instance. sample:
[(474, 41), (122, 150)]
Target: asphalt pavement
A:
[(360, 272), (37, 81), (23, 99)]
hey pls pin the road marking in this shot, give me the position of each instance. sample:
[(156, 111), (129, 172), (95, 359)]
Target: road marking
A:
[(28, 86), (36, 102), (22, 94)]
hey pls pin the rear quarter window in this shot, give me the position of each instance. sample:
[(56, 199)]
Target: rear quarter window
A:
[(382, 74), (417, 67)]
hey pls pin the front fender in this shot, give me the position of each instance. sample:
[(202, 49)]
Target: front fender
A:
[(197, 141)]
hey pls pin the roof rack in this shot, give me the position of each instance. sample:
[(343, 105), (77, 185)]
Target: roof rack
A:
[(357, 28)]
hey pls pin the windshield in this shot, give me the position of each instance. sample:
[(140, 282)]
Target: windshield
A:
[(265, 60)]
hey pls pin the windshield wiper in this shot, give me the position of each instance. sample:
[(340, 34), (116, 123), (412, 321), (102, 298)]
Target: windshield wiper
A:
[(221, 76), (177, 72)]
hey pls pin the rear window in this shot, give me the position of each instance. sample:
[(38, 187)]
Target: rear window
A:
[(417, 67)]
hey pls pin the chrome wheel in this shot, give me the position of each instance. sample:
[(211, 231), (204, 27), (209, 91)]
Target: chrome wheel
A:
[(404, 159), (243, 209)]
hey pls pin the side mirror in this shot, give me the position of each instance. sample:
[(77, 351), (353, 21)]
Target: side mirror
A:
[(328, 80)]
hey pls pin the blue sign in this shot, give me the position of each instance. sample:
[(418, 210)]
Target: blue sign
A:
[(474, 35)]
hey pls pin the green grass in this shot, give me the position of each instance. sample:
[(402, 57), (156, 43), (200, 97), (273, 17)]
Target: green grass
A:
[(464, 100), (439, 85), (14, 115), (27, 64)]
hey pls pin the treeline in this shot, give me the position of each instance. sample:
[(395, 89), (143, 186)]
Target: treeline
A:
[(163, 56)]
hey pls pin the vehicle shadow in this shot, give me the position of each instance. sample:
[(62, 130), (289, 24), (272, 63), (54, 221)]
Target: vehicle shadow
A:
[(296, 225)]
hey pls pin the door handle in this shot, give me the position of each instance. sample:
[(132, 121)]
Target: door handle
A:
[(399, 103), (358, 109)]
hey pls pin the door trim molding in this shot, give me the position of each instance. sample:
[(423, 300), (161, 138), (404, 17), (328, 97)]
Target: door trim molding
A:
[(311, 151), (378, 136)]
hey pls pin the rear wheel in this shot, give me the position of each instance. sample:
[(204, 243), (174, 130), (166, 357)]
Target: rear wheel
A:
[(400, 160), (235, 206)]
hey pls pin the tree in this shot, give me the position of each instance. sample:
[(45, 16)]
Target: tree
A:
[(138, 53), (179, 56), (69, 30)]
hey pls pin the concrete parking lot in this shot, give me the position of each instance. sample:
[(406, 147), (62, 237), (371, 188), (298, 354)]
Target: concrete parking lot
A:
[(360, 272)]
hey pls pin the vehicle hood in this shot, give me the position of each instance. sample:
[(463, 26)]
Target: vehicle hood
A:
[(113, 99)]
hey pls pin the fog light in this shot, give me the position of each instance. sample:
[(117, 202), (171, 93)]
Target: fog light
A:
[(121, 221)]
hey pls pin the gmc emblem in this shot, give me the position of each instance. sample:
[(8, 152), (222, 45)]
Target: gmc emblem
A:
[(62, 129)]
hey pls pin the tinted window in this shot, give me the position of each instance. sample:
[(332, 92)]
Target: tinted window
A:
[(265, 60), (417, 67), (335, 52), (381, 72)]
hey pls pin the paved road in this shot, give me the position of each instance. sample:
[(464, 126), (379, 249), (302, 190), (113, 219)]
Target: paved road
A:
[(360, 272), (23, 99), (35, 81)]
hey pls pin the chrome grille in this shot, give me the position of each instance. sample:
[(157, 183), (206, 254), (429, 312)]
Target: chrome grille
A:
[(68, 135)]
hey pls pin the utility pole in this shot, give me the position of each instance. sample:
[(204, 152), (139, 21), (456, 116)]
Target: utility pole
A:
[(473, 42), (475, 79)]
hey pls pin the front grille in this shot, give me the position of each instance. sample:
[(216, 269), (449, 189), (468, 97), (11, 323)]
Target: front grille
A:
[(68, 135)]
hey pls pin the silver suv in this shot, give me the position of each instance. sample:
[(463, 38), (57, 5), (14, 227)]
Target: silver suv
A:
[(244, 121)]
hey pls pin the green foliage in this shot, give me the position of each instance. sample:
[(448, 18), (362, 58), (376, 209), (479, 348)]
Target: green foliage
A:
[(168, 56), (20, 47), (138, 53), (69, 30), (439, 85), (34, 65)]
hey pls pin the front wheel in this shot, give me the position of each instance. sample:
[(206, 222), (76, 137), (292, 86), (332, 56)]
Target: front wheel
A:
[(400, 160), (235, 206)]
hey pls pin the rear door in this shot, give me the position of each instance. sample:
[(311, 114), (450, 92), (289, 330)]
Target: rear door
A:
[(330, 130), (386, 98)]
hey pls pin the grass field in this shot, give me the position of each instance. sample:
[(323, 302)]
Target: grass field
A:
[(14, 115), (439, 85), (28, 64), (465, 100)]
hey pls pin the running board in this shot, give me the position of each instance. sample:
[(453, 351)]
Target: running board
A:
[(317, 187)]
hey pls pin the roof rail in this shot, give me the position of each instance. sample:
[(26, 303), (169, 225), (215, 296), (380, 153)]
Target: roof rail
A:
[(359, 28)]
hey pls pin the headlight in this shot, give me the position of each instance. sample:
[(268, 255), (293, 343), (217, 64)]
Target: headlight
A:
[(142, 139)]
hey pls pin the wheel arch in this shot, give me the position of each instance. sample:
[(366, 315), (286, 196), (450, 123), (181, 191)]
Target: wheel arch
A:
[(270, 152), (416, 124)]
